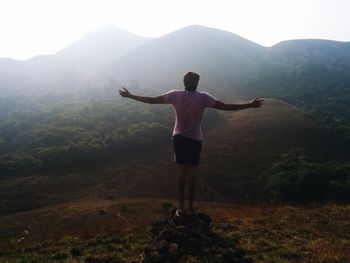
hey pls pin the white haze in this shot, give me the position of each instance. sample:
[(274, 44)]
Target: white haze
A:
[(35, 27)]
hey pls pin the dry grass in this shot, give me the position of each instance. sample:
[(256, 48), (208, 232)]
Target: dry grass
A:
[(267, 233), (291, 234)]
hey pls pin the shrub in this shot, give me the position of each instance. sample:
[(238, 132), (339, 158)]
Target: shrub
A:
[(299, 179)]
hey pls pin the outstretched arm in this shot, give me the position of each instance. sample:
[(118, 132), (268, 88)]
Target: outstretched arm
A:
[(152, 100), (256, 103)]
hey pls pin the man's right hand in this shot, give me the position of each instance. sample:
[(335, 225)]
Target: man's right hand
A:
[(257, 102), (124, 93)]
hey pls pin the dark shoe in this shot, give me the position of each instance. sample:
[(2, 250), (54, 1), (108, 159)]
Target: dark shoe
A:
[(180, 212)]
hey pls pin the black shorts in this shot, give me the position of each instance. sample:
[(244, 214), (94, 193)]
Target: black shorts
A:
[(187, 151)]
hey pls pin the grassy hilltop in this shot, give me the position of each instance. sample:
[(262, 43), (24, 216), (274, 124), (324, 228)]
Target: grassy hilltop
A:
[(117, 231)]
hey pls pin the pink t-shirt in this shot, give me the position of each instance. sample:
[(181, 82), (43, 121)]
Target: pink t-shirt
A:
[(189, 107)]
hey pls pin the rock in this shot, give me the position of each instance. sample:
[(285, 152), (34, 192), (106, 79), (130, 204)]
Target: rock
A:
[(164, 234), (240, 252), (167, 206), (248, 260), (154, 257), (162, 246), (76, 252), (194, 243), (220, 240), (177, 238), (173, 248), (205, 252), (182, 228), (102, 212), (206, 240)]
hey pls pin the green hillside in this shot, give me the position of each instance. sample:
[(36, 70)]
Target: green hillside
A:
[(66, 156)]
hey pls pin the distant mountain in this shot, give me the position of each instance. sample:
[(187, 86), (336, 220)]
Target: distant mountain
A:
[(230, 65), (98, 49), (307, 64), (220, 57), (69, 67), (226, 62), (312, 51), (308, 73)]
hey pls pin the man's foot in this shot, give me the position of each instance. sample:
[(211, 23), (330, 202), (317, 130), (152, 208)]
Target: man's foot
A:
[(180, 212)]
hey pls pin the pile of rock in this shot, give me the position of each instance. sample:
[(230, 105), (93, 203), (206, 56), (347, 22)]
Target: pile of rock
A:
[(178, 237)]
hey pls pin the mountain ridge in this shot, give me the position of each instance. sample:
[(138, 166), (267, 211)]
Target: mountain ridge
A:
[(223, 59), (194, 26), (70, 66)]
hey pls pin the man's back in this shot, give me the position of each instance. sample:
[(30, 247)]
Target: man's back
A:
[(189, 107)]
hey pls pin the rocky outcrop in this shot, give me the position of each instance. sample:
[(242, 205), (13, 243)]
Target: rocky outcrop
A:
[(178, 237)]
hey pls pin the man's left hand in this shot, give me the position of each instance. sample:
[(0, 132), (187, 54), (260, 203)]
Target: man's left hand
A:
[(124, 93)]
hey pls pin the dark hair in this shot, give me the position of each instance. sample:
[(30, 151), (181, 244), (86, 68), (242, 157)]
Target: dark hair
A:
[(191, 80)]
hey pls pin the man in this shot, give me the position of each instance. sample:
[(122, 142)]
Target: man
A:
[(189, 105)]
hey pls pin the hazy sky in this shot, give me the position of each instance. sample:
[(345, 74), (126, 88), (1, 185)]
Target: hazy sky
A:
[(35, 27)]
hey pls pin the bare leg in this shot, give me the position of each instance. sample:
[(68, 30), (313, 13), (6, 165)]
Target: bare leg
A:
[(181, 183), (192, 169)]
